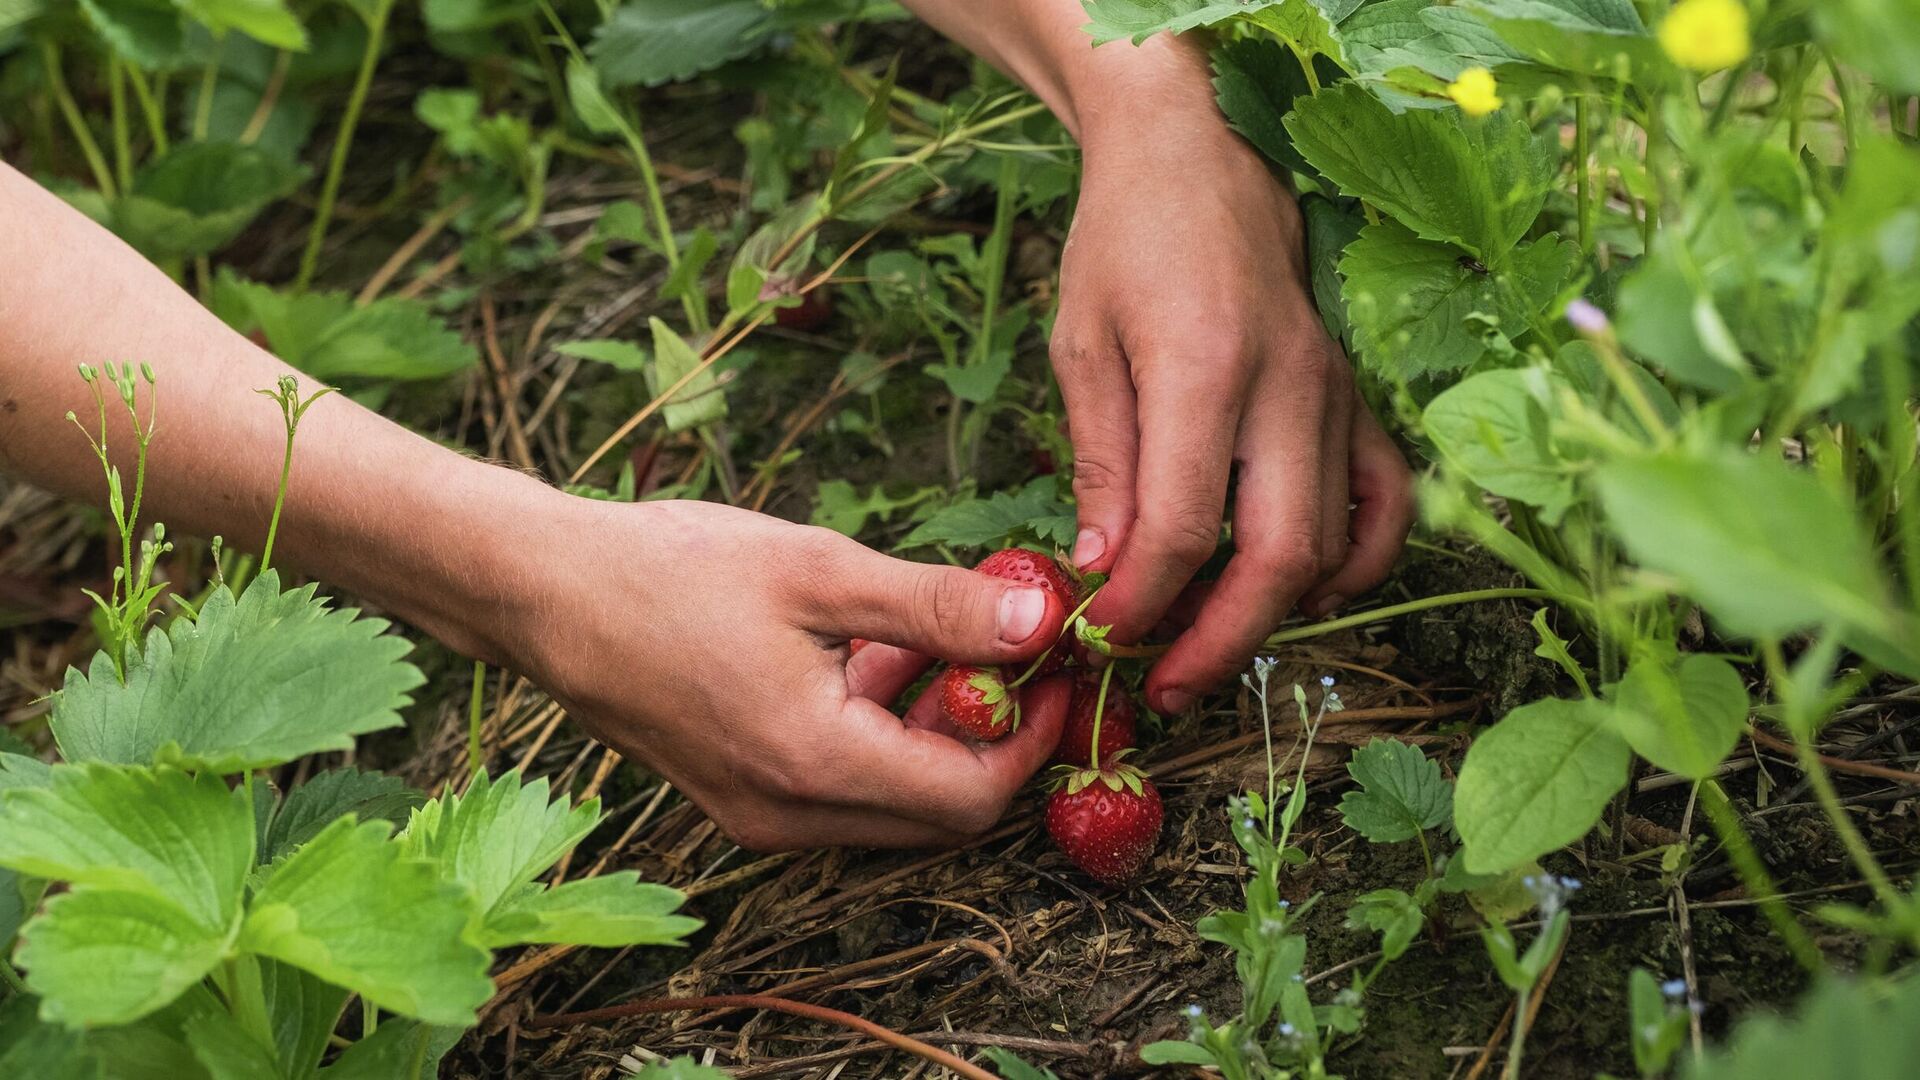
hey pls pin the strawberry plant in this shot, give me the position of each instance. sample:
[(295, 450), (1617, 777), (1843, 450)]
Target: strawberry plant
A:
[(234, 920)]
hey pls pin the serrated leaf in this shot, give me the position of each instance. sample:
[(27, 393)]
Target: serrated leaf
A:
[(266, 21), (1256, 82), (498, 835), (328, 336), (251, 683), (147, 33), (199, 196), (179, 839), (315, 804), (1535, 781), (609, 911), (1684, 716), (651, 42), (992, 520), (351, 908), (1138, 20), (106, 956), (701, 400), (1401, 794), (1476, 183), (1418, 307), (303, 1011), (1599, 38)]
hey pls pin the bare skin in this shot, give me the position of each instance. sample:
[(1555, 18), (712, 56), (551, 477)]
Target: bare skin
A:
[(709, 642)]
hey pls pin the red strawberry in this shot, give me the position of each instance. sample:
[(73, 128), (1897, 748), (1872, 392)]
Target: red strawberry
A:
[(1116, 723), (1033, 568), (979, 702), (1107, 821)]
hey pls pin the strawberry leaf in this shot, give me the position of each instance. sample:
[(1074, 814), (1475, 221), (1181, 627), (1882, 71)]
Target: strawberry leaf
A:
[(606, 912), (1401, 793), (253, 682), (109, 956), (499, 835)]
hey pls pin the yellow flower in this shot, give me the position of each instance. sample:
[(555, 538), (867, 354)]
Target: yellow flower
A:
[(1475, 92), (1706, 35)]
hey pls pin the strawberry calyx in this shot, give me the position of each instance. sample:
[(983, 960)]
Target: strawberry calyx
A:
[(995, 692), (1115, 773)]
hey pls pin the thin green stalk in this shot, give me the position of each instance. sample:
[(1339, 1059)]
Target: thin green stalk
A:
[(1516, 1049), (122, 139), (150, 109), (1394, 611), (279, 502), (1754, 873), (1650, 208), (474, 714), (11, 977), (1583, 164), (1100, 712), (209, 78), (76, 123), (247, 999), (342, 145), (1850, 838)]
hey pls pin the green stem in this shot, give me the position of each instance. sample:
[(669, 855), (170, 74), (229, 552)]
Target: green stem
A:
[(209, 78), (1394, 611), (474, 713), (122, 139), (1850, 838), (1099, 713), (342, 145), (279, 502), (11, 977), (76, 123), (1517, 1048), (1582, 162), (1754, 873), (247, 999), (149, 108)]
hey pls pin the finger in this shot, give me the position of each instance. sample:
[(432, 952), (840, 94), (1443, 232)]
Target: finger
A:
[(1383, 513), (1094, 380), (926, 777), (1279, 547), (941, 611), (928, 713), (881, 673), (1189, 416)]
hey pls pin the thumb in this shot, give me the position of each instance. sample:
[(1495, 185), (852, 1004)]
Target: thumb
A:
[(940, 611)]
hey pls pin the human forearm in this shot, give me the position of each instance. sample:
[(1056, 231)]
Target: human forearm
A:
[(373, 507)]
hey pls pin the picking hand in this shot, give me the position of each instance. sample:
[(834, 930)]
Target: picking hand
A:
[(1187, 345), (711, 644)]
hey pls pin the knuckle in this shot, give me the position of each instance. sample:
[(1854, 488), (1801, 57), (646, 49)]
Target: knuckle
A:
[(945, 598), (980, 814), (1096, 474), (1072, 353), (1293, 558), (1186, 535)]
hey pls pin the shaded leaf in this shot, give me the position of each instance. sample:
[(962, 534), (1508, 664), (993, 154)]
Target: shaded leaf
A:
[(609, 911), (1535, 781), (152, 949), (1401, 792), (1684, 716), (315, 804)]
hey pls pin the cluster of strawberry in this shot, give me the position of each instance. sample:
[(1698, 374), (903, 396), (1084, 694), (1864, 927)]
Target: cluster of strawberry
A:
[(1104, 813)]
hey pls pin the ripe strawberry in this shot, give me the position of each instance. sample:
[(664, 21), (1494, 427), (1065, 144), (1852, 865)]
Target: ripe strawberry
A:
[(979, 702), (1033, 568), (1116, 723), (1107, 821)]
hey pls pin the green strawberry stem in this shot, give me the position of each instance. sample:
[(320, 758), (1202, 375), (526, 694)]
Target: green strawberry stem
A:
[(1042, 658), (1099, 713), (1367, 618)]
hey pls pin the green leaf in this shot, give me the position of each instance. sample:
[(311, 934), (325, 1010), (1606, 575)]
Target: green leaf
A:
[(1391, 912), (251, 683), (1536, 781), (1554, 647), (183, 840), (651, 42), (351, 908), (701, 401), (199, 196), (227, 1050), (1684, 717), (303, 1010), (1257, 82), (1496, 429), (1475, 183), (1012, 1068), (1401, 792), (1302, 25), (1419, 308), (106, 956), (1600, 38), (315, 804), (30, 1047), (1331, 229), (467, 16), (1111, 20), (266, 21), (1880, 37), (624, 355), (680, 1068), (499, 835), (1767, 549), (990, 521), (1841, 1031), (1172, 1052), (398, 1050), (329, 337), (839, 506), (590, 103), (148, 33), (609, 911)]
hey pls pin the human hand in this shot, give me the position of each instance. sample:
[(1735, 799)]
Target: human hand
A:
[(1186, 345), (711, 644)]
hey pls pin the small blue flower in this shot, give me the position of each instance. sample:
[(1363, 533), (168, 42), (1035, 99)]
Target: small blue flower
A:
[(1326, 680), (1195, 1011), (1674, 988), (1286, 1030), (1285, 904)]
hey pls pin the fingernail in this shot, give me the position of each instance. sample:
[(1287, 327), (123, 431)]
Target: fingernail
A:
[(1020, 613), (1330, 605), (1176, 701), (1088, 547)]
